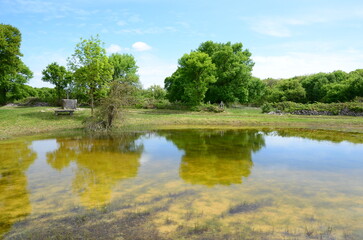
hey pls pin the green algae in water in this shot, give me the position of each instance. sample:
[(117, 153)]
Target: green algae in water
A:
[(184, 184)]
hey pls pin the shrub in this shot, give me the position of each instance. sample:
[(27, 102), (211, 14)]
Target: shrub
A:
[(267, 107), (208, 108), (321, 108)]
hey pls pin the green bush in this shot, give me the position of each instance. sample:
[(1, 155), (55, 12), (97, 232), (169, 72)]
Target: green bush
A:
[(267, 107), (208, 108), (333, 108)]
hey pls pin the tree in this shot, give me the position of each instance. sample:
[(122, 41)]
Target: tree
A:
[(287, 90), (91, 67), (13, 72), (233, 71), (155, 92), (125, 68), (191, 79), (57, 75), (256, 90), (110, 109), (355, 84)]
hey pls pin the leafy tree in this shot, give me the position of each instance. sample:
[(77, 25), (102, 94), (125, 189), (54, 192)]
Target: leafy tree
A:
[(110, 109), (174, 87), (315, 84), (191, 79), (335, 92), (125, 68), (233, 71), (91, 68), (57, 75), (287, 90), (256, 90), (13, 72), (156, 92), (355, 82)]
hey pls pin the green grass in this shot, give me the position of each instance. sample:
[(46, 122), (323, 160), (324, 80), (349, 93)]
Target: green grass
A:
[(20, 121)]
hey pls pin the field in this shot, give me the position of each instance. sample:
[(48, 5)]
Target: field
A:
[(21, 121)]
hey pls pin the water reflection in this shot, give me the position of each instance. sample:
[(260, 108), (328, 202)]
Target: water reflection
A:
[(101, 163), (216, 157), (297, 185), (15, 159)]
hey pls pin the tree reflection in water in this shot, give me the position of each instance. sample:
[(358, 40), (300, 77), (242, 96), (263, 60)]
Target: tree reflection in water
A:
[(15, 159), (101, 163), (216, 157)]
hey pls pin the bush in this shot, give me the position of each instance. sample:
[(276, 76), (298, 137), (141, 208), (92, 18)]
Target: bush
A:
[(208, 108), (267, 107), (346, 108)]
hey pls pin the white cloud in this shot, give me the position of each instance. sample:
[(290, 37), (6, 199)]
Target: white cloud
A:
[(141, 46), (303, 63), (113, 48)]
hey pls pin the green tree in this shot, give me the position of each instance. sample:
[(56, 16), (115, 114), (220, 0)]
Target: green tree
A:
[(287, 90), (256, 90), (174, 87), (13, 72), (355, 84), (315, 84), (335, 92), (91, 68), (125, 69), (155, 92), (233, 71), (191, 79), (57, 75)]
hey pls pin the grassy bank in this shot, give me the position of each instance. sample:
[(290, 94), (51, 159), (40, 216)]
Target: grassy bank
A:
[(19, 121)]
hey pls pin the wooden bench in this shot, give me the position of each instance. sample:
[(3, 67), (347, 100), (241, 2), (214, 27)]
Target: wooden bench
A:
[(63, 111)]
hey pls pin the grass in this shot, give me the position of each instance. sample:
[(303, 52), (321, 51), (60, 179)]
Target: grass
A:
[(21, 121)]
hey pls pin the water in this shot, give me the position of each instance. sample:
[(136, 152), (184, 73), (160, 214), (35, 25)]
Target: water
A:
[(184, 184)]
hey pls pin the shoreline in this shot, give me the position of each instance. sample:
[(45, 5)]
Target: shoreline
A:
[(29, 121)]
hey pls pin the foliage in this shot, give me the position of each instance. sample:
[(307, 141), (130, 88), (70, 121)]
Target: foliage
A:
[(152, 97), (287, 90), (337, 86), (233, 72), (110, 109), (59, 76), (209, 108), (91, 68), (256, 91), (190, 81), (323, 108), (155, 92), (229, 76), (13, 72), (267, 107), (125, 68)]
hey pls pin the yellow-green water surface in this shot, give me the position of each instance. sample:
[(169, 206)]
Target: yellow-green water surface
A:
[(183, 184)]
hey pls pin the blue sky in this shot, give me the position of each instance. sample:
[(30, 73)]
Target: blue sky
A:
[(286, 37)]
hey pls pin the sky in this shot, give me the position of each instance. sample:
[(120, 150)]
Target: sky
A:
[(286, 37)]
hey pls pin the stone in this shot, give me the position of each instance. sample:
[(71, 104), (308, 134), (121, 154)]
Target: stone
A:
[(69, 103)]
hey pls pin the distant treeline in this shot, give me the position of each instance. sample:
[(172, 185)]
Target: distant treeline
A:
[(337, 86), (212, 73), (222, 72)]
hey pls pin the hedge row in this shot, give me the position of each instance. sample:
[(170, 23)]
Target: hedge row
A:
[(347, 108)]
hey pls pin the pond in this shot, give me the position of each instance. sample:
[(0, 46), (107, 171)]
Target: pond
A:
[(183, 184)]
